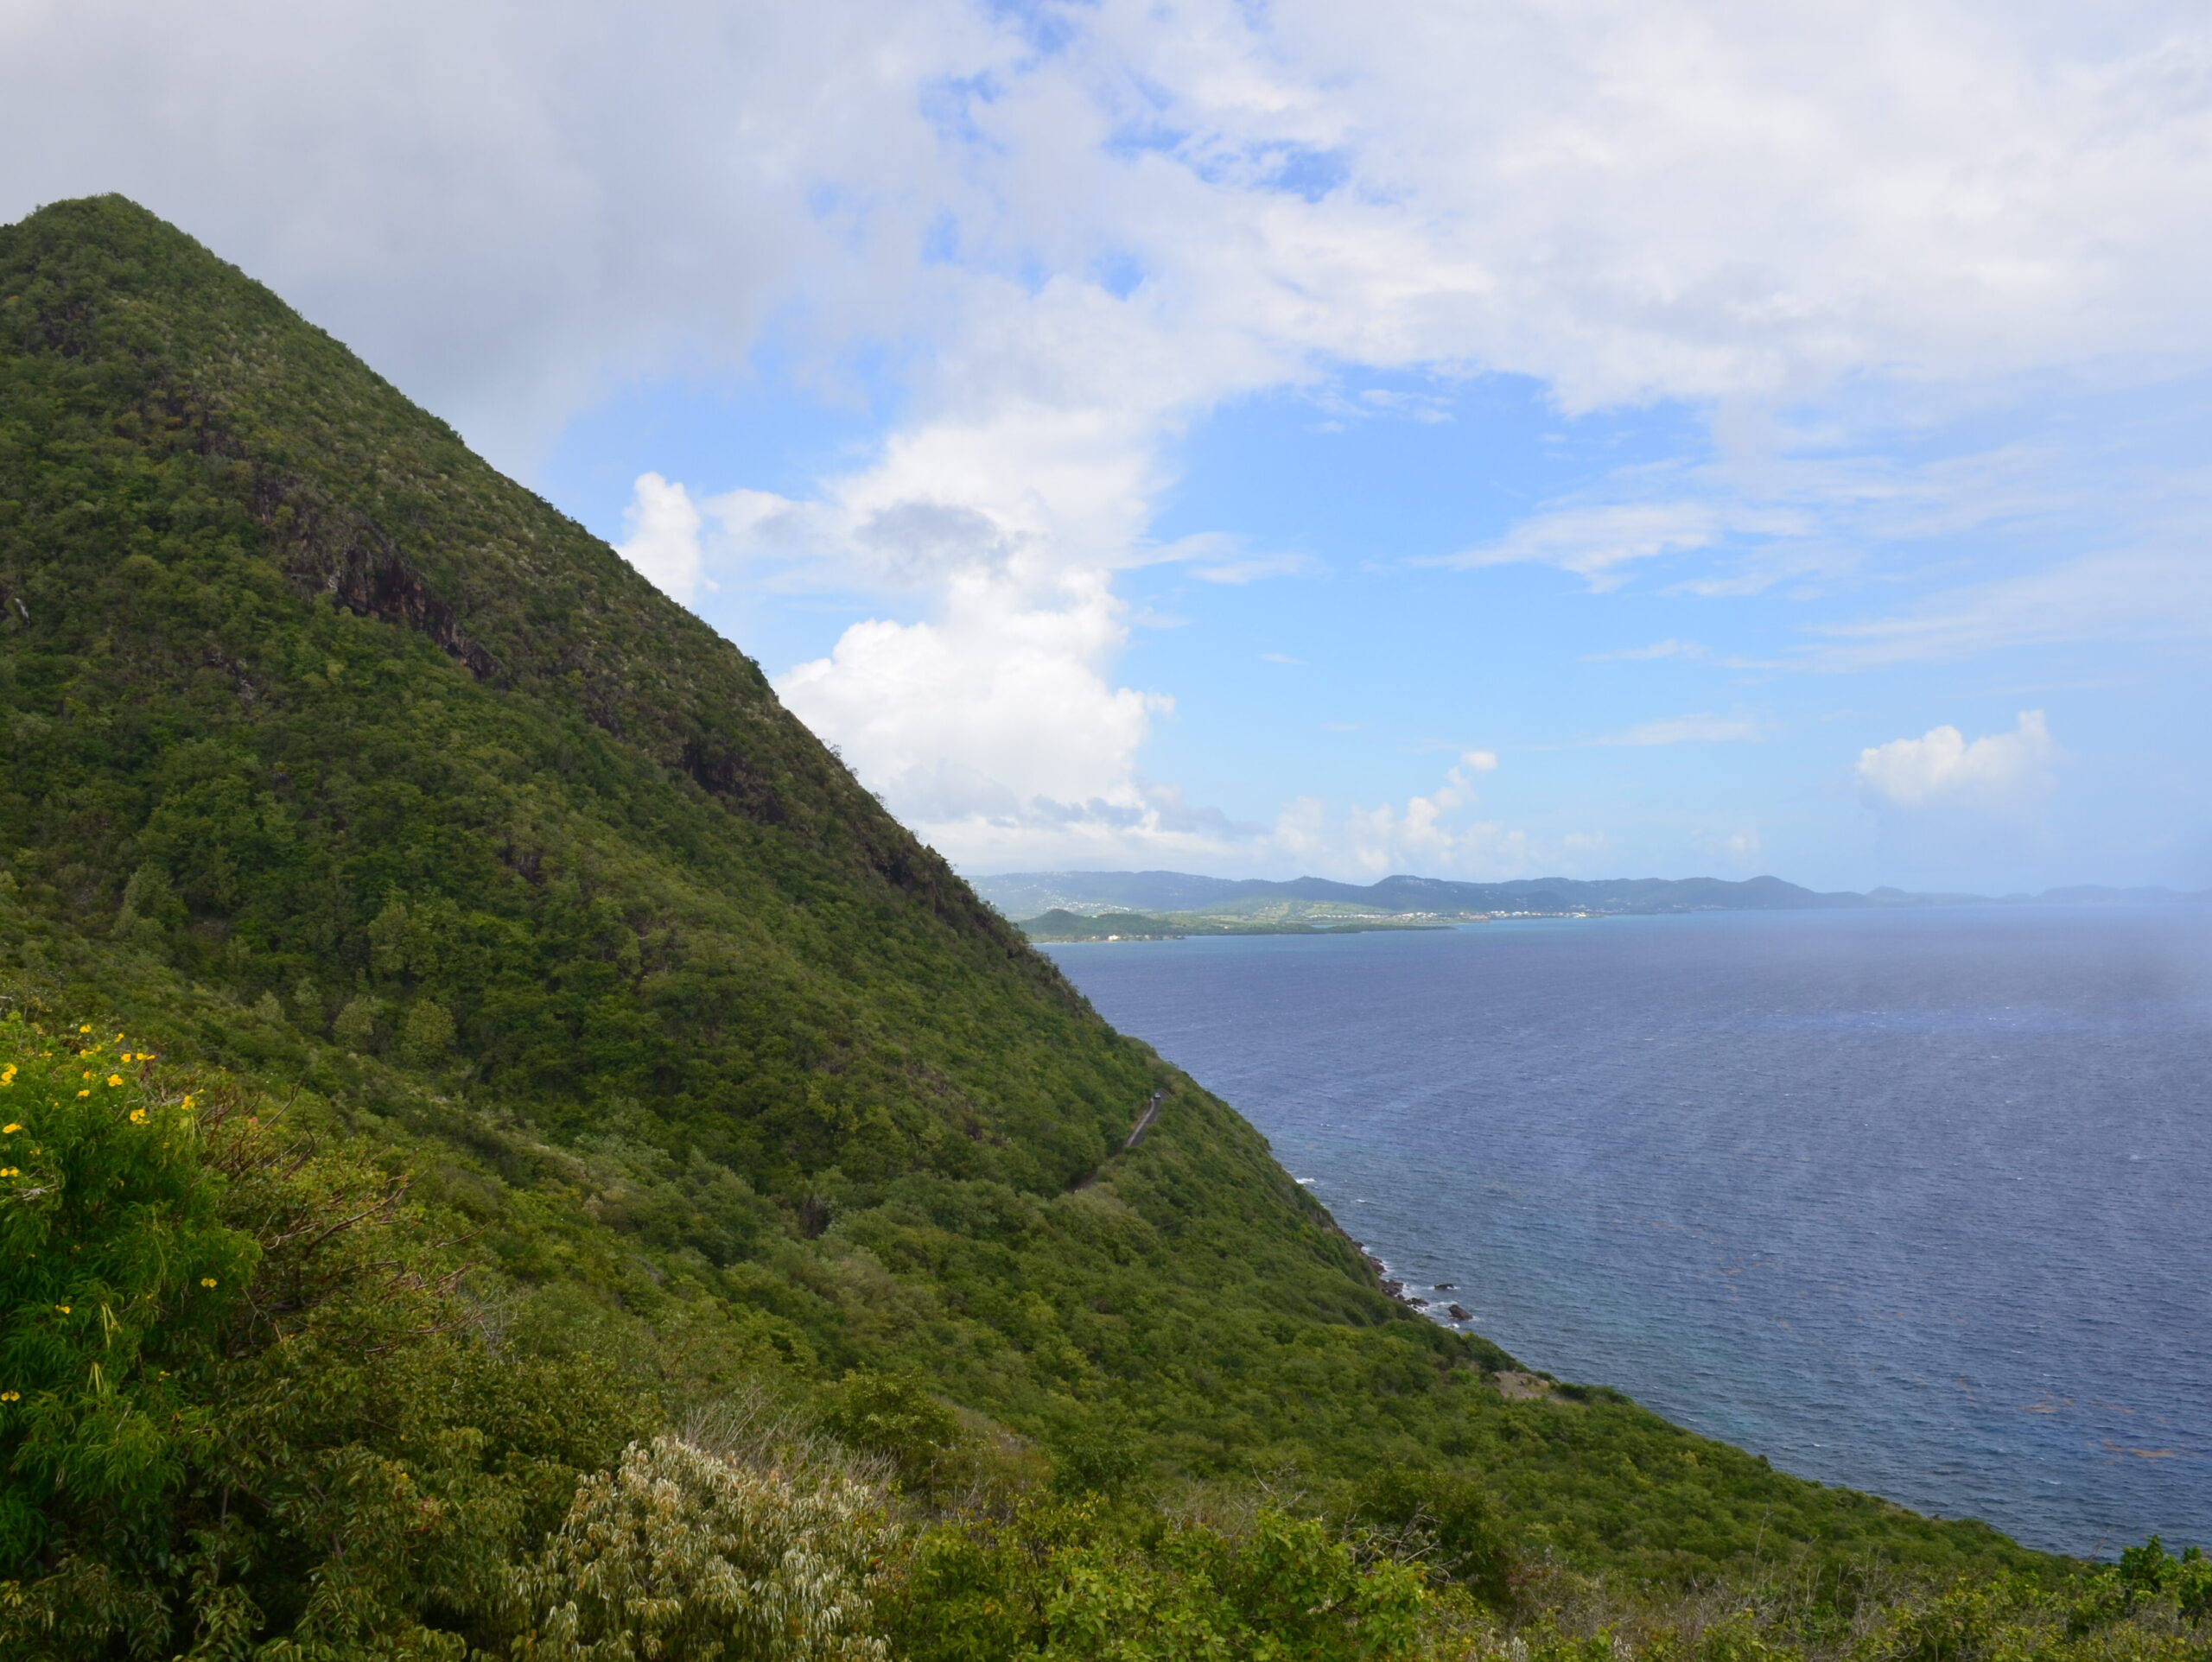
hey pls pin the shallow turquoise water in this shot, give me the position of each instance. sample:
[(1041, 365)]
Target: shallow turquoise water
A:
[(1915, 1202)]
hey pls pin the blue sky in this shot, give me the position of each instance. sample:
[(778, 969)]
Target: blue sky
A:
[(1639, 723), (1484, 440)]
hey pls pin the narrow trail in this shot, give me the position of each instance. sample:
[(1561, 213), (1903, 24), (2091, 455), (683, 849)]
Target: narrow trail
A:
[(1136, 1134), (1144, 1120)]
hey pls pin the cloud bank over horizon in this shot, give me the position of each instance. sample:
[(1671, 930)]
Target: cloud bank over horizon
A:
[(1854, 353)]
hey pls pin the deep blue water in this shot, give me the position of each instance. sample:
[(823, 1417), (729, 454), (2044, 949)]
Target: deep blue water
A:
[(1915, 1202)]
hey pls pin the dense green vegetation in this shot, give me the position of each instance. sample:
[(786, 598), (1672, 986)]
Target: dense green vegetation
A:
[(520, 1047)]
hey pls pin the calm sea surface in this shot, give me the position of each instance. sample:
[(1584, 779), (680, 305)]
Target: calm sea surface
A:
[(1915, 1202)]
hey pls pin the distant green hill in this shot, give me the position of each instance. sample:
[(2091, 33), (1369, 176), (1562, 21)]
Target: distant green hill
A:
[(340, 764), (1060, 925), (1022, 894)]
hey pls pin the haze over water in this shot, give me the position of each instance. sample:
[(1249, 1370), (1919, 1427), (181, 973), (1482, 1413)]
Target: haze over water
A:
[(1913, 1201)]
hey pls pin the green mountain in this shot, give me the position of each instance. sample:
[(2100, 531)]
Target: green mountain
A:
[(486, 908)]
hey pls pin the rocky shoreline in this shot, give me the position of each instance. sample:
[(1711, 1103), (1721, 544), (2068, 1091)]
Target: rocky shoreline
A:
[(1399, 1290)]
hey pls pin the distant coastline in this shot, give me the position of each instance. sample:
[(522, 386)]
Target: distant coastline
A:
[(1077, 906), (1063, 926)]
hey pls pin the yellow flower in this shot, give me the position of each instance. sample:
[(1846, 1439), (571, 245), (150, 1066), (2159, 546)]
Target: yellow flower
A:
[(137, 1116), (10, 1171), (83, 1092), (64, 1308), (86, 1028), (114, 1079), (187, 1100), (9, 1131), (11, 1396), (207, 1280), (8, 1074), (87, 1074)]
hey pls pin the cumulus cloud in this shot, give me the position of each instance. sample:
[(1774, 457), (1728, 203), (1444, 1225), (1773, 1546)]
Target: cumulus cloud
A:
[(1441, 832), (1943, 769), (998, 711), (1432, 832), (661, 537)]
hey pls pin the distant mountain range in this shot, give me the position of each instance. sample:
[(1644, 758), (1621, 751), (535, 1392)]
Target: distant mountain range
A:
[(1027, 894)]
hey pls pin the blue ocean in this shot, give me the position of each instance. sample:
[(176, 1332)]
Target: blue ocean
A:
[(1914, 1202)]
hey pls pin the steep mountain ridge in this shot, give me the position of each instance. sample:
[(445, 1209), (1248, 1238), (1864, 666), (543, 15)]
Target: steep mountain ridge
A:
[(326, 499), (338, 762)]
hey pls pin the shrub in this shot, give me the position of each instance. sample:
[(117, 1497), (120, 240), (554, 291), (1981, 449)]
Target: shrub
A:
[(681, 1553), (895, 1416), (1445, 1520), (238, 1404), (358, 1022), (116, 1273), (1077, 1583), (426, 1034)]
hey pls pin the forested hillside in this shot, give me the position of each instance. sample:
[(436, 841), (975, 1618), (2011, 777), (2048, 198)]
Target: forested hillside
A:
[(459, 1028)]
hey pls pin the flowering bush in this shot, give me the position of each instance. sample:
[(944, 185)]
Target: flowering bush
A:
[(681, 1554), (114, 1274)]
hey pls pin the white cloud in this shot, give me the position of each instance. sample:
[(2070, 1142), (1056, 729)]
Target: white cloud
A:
[(661, 537), (1431, 833), (1789, 514), (2025, 546), (1255, 568), (1593, 542), (1666, 649), (1703, 729), (503, 204), (1943, 769), (1738, 850), (1695, 197), (996, 712), (1437, 833), (2147, 594)]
